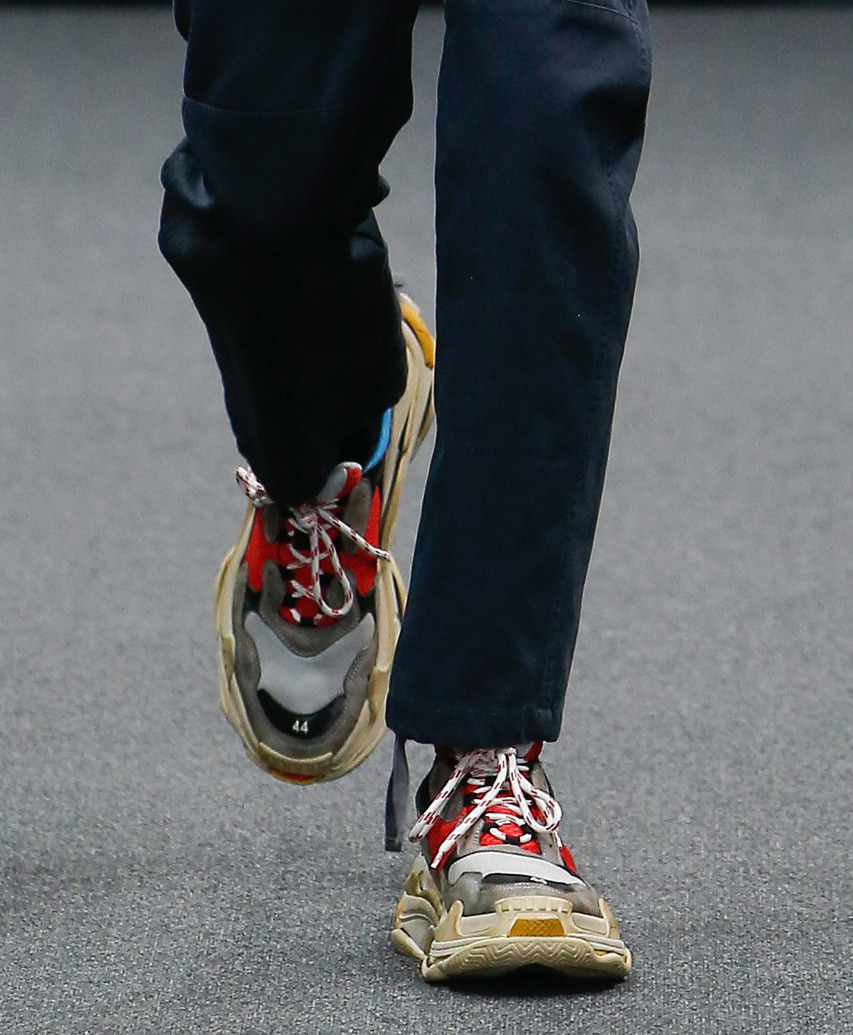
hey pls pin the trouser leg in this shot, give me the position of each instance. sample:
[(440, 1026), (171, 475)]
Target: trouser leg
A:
[(267, 219), (540, 123)]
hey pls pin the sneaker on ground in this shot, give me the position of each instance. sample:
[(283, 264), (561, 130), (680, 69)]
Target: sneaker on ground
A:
[(309, 601), (494, 888)]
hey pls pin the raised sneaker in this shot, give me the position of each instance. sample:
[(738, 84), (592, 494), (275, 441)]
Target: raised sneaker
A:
[(494, 889), (309, 601)]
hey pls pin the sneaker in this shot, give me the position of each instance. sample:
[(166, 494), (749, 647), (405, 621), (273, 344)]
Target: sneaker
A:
[(309, 601), (494, 889)]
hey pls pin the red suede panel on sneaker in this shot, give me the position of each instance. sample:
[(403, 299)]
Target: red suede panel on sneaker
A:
[(260, 550)]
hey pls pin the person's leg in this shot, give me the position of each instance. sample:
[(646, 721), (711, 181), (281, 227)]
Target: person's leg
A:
[(541, 116), (288, 110)]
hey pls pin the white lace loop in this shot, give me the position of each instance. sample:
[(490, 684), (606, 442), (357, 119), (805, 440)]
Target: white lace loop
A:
[(499, 777), (252, 487), (315, 522)]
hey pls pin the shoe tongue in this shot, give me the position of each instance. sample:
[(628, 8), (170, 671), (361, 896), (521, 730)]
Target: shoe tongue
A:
[(340, 482)]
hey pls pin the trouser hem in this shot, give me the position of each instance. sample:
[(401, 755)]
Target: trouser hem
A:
[(469, 728)]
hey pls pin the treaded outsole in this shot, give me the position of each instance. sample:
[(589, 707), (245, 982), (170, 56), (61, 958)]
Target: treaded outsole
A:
[(571, 957)]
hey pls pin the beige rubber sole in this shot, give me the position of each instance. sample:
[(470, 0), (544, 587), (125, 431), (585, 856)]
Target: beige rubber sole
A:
[(524, 931), (411, 420)]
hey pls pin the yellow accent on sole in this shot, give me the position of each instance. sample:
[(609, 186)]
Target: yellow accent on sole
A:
[(535, 927)]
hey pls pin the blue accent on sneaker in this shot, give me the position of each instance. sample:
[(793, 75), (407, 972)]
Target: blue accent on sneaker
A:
[(384, 439)]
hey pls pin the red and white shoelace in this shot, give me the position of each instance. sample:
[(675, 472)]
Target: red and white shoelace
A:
[(315, 521), (502, 791)]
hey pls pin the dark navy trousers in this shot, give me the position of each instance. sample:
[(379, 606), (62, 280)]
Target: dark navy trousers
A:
[(268, 221)]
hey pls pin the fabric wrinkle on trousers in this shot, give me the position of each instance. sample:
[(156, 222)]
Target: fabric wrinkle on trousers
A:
[(268, 221)]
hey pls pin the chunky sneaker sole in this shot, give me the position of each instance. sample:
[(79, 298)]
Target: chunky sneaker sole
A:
[(494, 888), (410, 422), (523, 931)]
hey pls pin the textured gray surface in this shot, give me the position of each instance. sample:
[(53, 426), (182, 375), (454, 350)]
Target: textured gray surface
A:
[(152, 880)]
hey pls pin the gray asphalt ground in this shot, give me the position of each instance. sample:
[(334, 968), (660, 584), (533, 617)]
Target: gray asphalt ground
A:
[(153, 881)]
